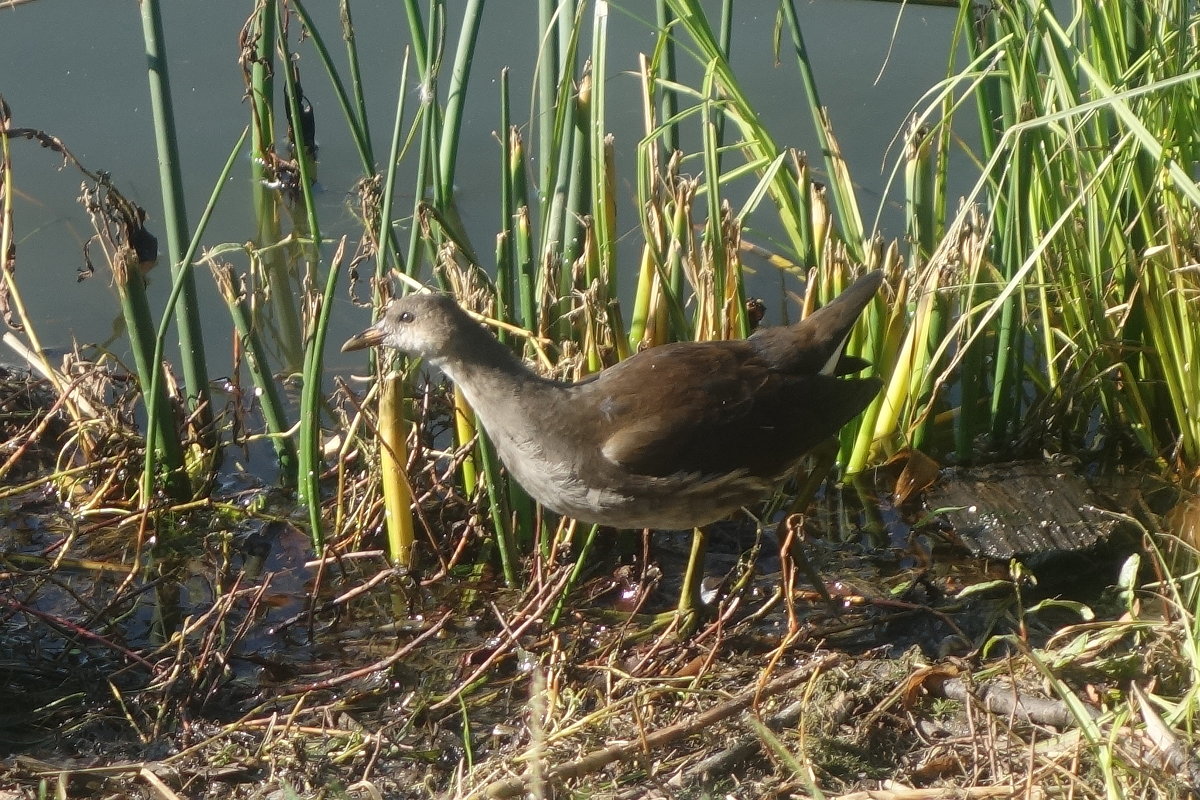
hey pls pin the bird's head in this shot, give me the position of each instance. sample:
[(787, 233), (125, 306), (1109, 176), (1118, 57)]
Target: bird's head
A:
[(425, 325)]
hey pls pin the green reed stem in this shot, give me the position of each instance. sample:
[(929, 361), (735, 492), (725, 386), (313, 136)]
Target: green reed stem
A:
[(549, 69), (725, 42), (756, 141), (578, 194), (271, 261), (603, 202), (156, 430), (456, 98), (426, 120), (523, 236), (559, 149), (191, 338), (416, 30), (582, 561), (508, 536), (718, 326), (355, 113), (359, 108), (664, 67), (386, 235), (505, 256), (163, 448), (308, 489), (843, 195), (260, 373)]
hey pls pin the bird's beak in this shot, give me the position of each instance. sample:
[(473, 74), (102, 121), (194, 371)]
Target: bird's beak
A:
[(371, 337)]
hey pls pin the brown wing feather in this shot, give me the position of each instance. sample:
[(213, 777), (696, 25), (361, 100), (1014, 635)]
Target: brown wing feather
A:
[(726, 410)]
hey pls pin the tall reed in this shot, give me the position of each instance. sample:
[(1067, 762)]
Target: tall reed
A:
[(191, 340), (1082, 140)]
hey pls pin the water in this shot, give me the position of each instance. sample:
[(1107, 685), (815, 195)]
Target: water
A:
[(76, 69)]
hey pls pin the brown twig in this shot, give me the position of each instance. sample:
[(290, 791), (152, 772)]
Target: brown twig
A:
[(598, 759), (528, 615), (382, 664), (67, 625)]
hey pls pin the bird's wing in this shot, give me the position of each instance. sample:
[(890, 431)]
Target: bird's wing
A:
[(725, 411)]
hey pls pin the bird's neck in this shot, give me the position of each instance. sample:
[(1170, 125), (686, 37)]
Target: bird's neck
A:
[(483, 368), (505, 395)]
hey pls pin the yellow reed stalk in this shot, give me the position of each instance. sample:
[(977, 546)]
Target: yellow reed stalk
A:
[(464, 427), (393, 457)]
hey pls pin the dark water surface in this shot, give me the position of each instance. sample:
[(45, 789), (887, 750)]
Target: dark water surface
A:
[(76, 69)]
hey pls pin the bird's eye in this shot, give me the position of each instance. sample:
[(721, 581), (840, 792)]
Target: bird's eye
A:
[(406, 316)]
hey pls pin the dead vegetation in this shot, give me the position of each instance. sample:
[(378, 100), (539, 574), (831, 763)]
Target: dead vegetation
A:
[(139, 662)]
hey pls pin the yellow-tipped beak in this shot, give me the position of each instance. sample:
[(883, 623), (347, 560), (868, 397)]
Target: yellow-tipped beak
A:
[(371, 337)]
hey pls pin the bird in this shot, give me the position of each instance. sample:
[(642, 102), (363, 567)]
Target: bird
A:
[(674, 437)]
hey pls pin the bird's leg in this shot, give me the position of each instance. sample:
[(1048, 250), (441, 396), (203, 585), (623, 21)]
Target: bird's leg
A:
[(689, 594), (684, 620)]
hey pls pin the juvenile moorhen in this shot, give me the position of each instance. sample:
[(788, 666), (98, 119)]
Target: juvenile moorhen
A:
[(675, 437)]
